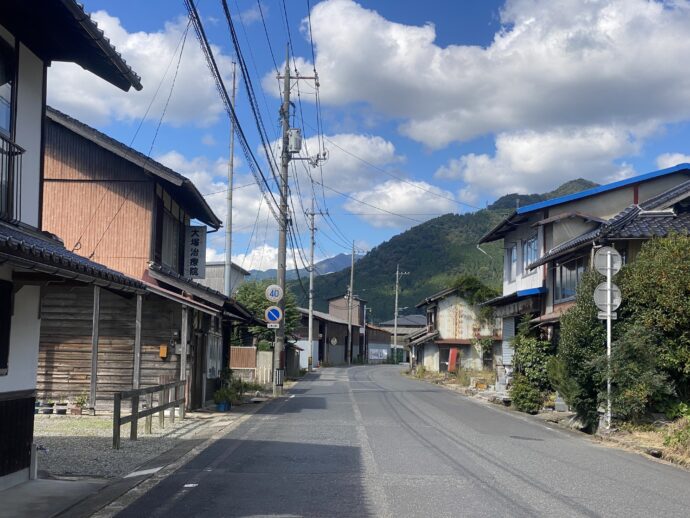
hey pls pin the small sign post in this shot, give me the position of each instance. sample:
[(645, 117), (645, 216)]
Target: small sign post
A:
[(274, 293), (607, 297)]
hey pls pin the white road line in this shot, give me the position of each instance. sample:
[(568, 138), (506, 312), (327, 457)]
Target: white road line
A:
[(143, 472), (191, 485)]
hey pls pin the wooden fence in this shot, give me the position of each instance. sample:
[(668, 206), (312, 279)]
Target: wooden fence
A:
[(169, 398)]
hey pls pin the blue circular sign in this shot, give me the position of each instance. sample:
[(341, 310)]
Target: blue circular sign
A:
[(273, 314)]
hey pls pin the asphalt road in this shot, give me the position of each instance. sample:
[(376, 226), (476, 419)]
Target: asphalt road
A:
[(366, 441)]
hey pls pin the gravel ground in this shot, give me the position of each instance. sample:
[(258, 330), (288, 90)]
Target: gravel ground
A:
[(81, 446)]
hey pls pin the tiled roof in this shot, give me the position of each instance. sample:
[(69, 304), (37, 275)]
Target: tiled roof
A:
[(519, 215), (33, 250), (156, 267), (652, 218)]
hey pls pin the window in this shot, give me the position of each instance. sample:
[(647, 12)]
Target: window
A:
[(170, 252), (7, 80), (566, 278), (511, 263), (5, 321), (529, 252)]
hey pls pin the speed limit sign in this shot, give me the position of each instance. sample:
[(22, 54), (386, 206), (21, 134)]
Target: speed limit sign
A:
[(274, 293)]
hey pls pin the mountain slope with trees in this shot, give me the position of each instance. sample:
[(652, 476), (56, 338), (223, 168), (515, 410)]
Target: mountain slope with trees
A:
[(434, 253)]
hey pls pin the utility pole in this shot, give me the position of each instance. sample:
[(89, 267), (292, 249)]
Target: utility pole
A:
[(278, 351), (350, 295), (285, 158), (312, 243), (228, 223), (398, 274)]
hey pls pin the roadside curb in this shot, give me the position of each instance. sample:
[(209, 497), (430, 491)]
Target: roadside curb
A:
[(114, 496)]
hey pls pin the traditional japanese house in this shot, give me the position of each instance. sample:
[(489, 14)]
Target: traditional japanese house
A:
[(453, 335), (34, 33), (135, 215)]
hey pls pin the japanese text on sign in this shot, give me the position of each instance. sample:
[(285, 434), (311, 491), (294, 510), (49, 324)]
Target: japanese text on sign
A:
[(195, 252)]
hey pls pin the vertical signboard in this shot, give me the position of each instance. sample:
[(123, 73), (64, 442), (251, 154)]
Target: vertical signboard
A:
[(195, 252)]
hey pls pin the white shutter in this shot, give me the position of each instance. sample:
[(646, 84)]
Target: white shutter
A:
[(508, 334)]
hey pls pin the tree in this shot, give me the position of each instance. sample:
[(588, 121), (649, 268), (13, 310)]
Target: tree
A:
[(531, 382), (252, 295), (656, 295), (582, 342)]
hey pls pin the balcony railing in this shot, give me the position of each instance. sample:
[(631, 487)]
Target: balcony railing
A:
[(10, 179)]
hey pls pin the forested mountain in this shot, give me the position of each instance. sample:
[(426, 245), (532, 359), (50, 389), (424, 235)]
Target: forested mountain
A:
[(330, 265), (433, 253)]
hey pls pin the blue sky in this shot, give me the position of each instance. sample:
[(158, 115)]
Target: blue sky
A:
[(427, 107)]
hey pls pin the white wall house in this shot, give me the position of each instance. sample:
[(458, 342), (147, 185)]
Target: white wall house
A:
[(33, 33), (543, 290), (453, 327)]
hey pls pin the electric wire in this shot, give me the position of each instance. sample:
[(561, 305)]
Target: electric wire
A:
[(268, 39), (220, 85)]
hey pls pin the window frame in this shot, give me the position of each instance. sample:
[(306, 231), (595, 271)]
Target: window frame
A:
[(572, 281), (525, 261), (511, 263), (7, 51)]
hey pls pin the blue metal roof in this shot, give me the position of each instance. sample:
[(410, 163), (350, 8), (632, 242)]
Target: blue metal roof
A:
[(602, 188), (531, 291)]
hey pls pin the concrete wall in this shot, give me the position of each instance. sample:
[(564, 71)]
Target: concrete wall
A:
[(456, 319), (524, 279), (24, 337), (28, 131), (431, 357)]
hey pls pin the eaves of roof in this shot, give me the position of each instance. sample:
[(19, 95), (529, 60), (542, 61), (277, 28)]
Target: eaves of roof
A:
[(168, 276), (437, 296), (32, 250), (60, 30), (196, 204)]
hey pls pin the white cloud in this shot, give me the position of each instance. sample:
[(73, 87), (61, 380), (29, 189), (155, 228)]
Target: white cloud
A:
[(670, 159), (253, 14), (529, 161), (91, 99), (345, 170), (566, 63), (209, 177), (411, 200), (265, 257)]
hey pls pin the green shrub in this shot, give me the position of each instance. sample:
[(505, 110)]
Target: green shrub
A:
[(676, 409), (656, 294), (525, 397), (582, 342), (420, 371), (557, 372), (463, 377), (678, 436), (636, 381), (531, 358)]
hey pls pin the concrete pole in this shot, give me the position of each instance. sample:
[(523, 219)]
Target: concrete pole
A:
[(350, 295), (312, 360), (282, 230), (395, 321), (228, 220)]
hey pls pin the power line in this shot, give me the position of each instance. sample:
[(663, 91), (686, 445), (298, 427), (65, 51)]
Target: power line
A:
[(270, 48), (220, 85), (236, 187)]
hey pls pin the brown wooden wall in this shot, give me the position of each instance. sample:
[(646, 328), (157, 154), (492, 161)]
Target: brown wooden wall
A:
[(88, 190), (64, 363), (242, 357)]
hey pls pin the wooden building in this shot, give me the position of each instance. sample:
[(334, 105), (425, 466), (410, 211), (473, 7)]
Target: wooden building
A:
[(132, 214), (34, 33)]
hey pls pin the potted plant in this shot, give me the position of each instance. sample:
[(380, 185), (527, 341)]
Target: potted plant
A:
[(221, 398), (48, 407), (79, 404), (61, 407)]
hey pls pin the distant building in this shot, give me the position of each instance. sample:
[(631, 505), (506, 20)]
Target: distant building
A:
[(215, 276), (407, 324)]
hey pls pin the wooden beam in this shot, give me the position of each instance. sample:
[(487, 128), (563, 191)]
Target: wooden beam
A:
[(94, 344), (137, 345), (184, 335)]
